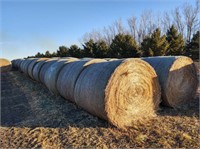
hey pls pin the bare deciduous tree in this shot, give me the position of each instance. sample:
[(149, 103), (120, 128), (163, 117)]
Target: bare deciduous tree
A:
[(132, 22), (178, 21), (191, 18), (185, 19), (166, 21)]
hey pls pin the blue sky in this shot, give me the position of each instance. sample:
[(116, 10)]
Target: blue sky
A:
[(31, 26)]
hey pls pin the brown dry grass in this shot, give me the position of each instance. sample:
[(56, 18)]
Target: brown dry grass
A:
[(32, 117)]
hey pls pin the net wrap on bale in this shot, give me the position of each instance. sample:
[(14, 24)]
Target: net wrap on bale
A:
[(32, 64), (51, 75), (69, 74), (37, 68), (45, 67)]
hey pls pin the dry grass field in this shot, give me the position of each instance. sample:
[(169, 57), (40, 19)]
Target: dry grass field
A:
[(33, 117)]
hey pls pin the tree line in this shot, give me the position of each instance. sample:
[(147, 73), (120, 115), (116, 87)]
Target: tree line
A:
[(124, 46)]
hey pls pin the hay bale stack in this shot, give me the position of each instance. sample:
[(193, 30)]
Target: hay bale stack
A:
[(120, 91), (44, 68), (24, 65), (5, 65), (32, 64), (178, 78), (51, 75), (69, 74)]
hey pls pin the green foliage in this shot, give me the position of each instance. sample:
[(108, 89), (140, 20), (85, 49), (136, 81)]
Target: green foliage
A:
[(176, 42), (39, 55), (88, 48), (54, 54), (63, 51), (47, 54), (193, 46), (155, 45), (100, 49), (123, 46), (75, 51)]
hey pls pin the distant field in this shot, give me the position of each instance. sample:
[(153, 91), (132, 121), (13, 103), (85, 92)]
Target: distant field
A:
[(33, 117)]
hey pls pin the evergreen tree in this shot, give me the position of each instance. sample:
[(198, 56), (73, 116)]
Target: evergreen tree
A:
[(62, 52), (193, 46), (54, 54), (39, 55), (47, 54), (100, 49), (124, 46), (88, 48), (176, 42), (75, 51), (155, 45)]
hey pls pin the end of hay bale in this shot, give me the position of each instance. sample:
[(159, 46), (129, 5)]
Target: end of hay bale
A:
[(5, 65), (182, 82), (132, 93)]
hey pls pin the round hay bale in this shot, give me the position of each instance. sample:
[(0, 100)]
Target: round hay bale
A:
[(26, 65), (18, 63), (177, 77), (32, 64), (13, 62), (5, 65), (69, 74), (121, 91), (51, 75), (37, 68), (22, 65), (44, 68)]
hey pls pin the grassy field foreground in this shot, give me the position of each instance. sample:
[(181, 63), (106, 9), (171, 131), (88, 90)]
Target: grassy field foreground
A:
[(33, 117)]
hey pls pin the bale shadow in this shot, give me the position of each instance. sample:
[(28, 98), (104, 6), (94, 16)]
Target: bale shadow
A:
[(6, 68), (32, 105), (189, 110)]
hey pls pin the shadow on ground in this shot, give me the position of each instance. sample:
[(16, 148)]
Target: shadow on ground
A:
[(25, 103)]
